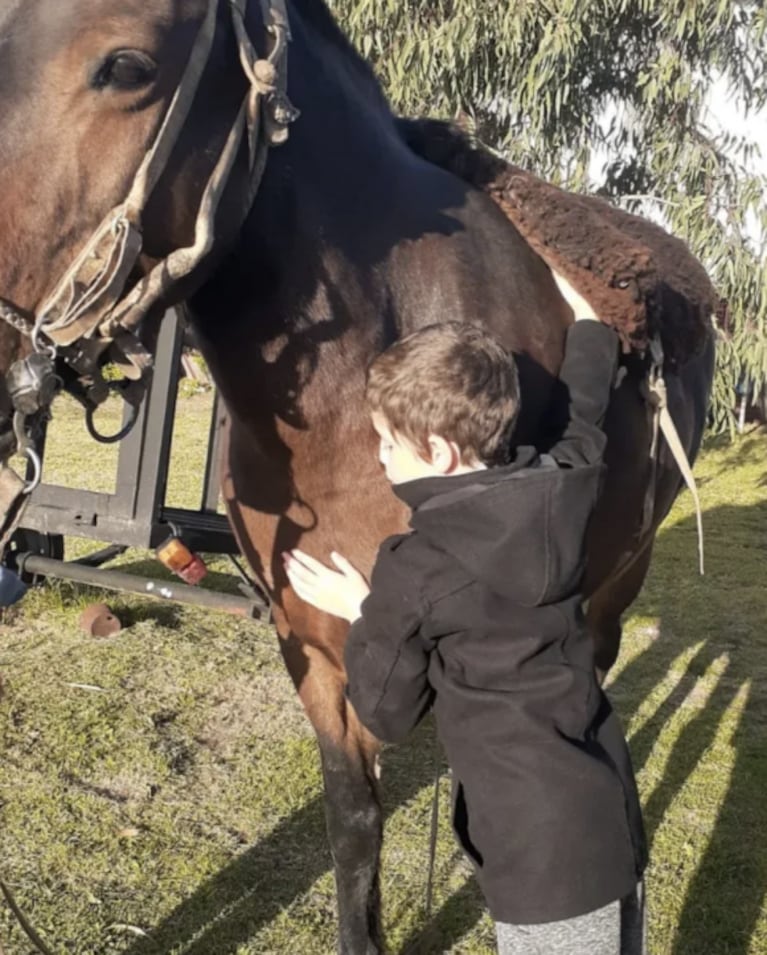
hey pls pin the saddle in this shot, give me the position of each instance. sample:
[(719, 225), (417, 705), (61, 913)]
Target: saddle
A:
[(639, 279)]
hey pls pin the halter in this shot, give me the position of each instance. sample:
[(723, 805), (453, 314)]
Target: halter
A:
[(88, 310)]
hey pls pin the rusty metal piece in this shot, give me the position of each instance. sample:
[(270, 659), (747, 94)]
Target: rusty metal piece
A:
[(99, 621)]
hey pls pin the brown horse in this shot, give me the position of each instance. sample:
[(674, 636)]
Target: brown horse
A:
[(351, 241)]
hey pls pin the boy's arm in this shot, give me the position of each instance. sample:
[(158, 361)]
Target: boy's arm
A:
[(387, 660), (588, 372)]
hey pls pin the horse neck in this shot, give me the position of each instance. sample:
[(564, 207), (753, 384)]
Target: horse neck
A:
[(322, 223)]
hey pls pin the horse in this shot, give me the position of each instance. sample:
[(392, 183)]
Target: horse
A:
[(349, 241)]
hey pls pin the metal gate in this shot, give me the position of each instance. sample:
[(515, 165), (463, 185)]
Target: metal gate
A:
[(135, 514)]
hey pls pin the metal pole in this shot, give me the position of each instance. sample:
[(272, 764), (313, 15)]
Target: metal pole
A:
[(146, 586)]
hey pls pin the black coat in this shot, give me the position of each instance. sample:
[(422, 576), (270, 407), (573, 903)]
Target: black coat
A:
[(477, 612)]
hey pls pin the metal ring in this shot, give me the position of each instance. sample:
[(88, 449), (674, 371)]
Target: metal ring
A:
[(110, 438), (49, 350), (34, 459)]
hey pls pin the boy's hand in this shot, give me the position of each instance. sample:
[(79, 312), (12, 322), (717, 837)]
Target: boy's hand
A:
[(574, 299), (339, 592)]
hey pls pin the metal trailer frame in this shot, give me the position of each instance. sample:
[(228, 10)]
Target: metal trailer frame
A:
[(135, 514)]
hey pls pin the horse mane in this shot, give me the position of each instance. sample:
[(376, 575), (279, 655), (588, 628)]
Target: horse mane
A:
[(316, 15)]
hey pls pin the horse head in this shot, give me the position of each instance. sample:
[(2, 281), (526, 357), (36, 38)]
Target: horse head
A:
[(124, 149)]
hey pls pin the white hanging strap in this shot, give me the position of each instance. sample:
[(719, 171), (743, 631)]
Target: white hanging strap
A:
[(662, 418)]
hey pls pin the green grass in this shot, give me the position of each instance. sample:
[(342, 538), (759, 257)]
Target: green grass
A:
[(182, 798)]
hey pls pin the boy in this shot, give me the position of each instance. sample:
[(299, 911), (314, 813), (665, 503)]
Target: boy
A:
[(477, 612)]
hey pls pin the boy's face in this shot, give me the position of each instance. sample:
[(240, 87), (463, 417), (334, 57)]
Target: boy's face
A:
[(401, 460)]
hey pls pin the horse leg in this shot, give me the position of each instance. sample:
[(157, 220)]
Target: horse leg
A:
[(606, 606), (349, 757), (355, 832)]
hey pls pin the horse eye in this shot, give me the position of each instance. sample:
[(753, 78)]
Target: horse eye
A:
[(125, 70)]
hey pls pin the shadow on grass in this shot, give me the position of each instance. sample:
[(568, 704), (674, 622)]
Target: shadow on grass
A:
[(456, 917), (229, 908), (243, 897), (725, 898), (747, 449)]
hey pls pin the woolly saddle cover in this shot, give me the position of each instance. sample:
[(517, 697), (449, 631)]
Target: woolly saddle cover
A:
[(638, 278)]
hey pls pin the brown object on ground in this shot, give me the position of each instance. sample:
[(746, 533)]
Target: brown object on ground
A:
[(99, 621), (638, 277)]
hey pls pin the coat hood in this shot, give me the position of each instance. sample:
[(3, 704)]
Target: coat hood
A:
[(519, 529)]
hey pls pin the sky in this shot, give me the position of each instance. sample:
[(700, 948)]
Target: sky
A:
[(725, 115)]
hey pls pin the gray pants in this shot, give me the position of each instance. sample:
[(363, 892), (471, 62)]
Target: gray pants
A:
[(616, 929)]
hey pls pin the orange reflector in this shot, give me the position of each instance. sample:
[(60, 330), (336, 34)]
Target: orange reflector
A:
[(176, 556)]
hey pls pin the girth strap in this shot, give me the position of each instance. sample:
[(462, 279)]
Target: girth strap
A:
[(661, 422), (662, 419)]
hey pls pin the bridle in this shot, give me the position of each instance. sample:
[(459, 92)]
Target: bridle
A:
[(88, 310)]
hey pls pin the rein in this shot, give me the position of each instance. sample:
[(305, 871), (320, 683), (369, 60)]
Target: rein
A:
[(88, 311)]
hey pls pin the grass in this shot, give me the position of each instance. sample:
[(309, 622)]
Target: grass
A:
[(176, 806)]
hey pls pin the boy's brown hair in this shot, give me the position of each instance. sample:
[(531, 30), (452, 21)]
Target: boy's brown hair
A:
[(454, 380)]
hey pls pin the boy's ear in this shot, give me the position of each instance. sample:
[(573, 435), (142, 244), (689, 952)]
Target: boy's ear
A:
[(445, 455)]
